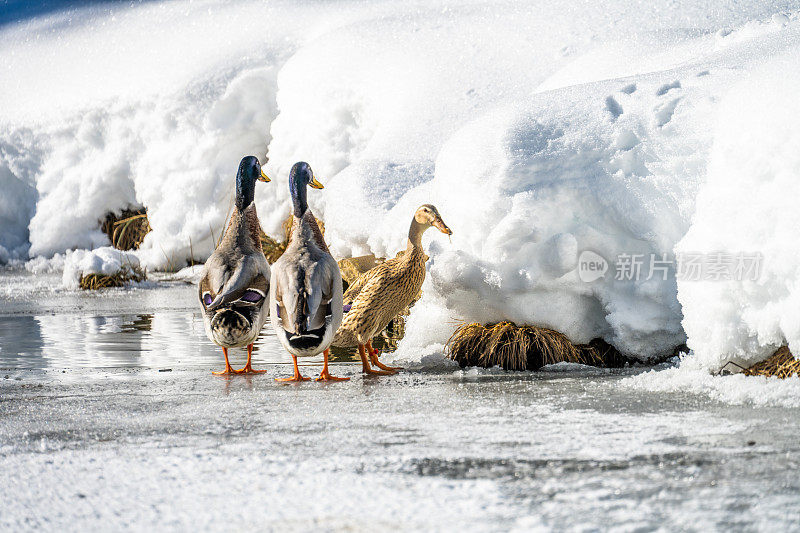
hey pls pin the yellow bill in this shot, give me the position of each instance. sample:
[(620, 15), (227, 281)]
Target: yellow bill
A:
[(316, 184), (264, 177)]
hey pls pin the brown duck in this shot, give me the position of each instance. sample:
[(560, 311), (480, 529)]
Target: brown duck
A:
[(380, 294)]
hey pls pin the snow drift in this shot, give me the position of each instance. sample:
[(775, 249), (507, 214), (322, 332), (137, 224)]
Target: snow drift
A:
[(540, 132), (748, 202)]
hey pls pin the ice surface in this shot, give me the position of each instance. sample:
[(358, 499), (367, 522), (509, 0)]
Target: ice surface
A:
[(538, 131), (110, 417), (477, 451)]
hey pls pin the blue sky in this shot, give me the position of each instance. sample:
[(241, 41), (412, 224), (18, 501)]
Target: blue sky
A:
[(19, 10)]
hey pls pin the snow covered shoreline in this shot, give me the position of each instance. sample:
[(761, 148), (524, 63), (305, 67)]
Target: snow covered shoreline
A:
[(539, 132)]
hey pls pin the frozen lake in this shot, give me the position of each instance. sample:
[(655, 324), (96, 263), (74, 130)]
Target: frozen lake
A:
[(96, 432)]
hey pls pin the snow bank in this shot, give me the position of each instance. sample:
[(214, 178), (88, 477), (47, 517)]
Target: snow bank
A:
[(747, 205), (541, 133), (106, 261)]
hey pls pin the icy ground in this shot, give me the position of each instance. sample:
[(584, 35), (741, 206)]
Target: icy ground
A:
[(95, 434)]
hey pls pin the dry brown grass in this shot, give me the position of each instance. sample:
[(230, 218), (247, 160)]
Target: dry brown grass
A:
[(126, 231), (525, 347), (93, 282), (781, 364), (273, 249)]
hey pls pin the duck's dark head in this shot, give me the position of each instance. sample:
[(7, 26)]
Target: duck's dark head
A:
[(249, 172), (300, 177)]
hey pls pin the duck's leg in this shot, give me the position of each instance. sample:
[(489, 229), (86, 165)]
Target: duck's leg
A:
[(373, 356), (325, 375), (366, 368), (228, 369), (247, 368), (297, 376)]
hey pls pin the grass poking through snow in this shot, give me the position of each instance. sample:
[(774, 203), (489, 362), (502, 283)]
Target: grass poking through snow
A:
[(93, 282), (781, 364), (126, 231)]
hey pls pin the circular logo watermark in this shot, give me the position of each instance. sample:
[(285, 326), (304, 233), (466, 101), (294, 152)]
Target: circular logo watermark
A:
[(591, 266)]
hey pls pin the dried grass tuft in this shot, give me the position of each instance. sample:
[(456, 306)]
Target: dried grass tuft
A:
[(273, 249), (93, 282), (126, 231), (781, 364), (525, 347)]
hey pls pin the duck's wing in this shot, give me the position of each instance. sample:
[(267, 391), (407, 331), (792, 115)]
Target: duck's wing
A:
[(367, 279), (325, 283), (358, 284), (303, 288), (283, 291), (236, 276)]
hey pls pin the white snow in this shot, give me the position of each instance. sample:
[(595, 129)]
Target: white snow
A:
[(736, 389), (748, 204), (106, 261), (539, 131)]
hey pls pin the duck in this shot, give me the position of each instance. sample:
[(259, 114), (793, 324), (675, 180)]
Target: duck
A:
[(380, 294), (306, 285), (234, 282)]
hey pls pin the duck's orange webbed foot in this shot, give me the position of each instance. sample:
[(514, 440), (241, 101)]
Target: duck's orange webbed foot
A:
[(367, 369), (296, 377), (248, 369), (325, 375), (373, 355), (228, 368)]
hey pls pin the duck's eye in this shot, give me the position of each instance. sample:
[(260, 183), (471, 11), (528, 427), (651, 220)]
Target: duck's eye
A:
[(251, 296), (207, 299)]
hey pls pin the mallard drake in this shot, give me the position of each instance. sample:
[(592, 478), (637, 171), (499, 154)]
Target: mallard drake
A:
[(234, 283), (306, 286), (380, 294)]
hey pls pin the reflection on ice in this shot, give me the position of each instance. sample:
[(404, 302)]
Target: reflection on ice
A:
[(20, 351), (160, 339)]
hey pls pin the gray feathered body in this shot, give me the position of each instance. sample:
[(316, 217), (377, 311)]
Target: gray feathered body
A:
[(306, 291), (232, 278)]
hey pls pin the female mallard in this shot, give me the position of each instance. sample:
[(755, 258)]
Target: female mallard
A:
[(380, 294), (306, 286), (235, 280)]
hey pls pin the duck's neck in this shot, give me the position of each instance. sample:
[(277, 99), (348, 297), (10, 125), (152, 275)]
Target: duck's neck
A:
[(298, 191), (305, 229), (243, 229), (415, 235), (245, 191)]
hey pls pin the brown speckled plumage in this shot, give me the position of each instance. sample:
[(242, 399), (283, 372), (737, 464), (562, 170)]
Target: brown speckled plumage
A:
[(380, 294)]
